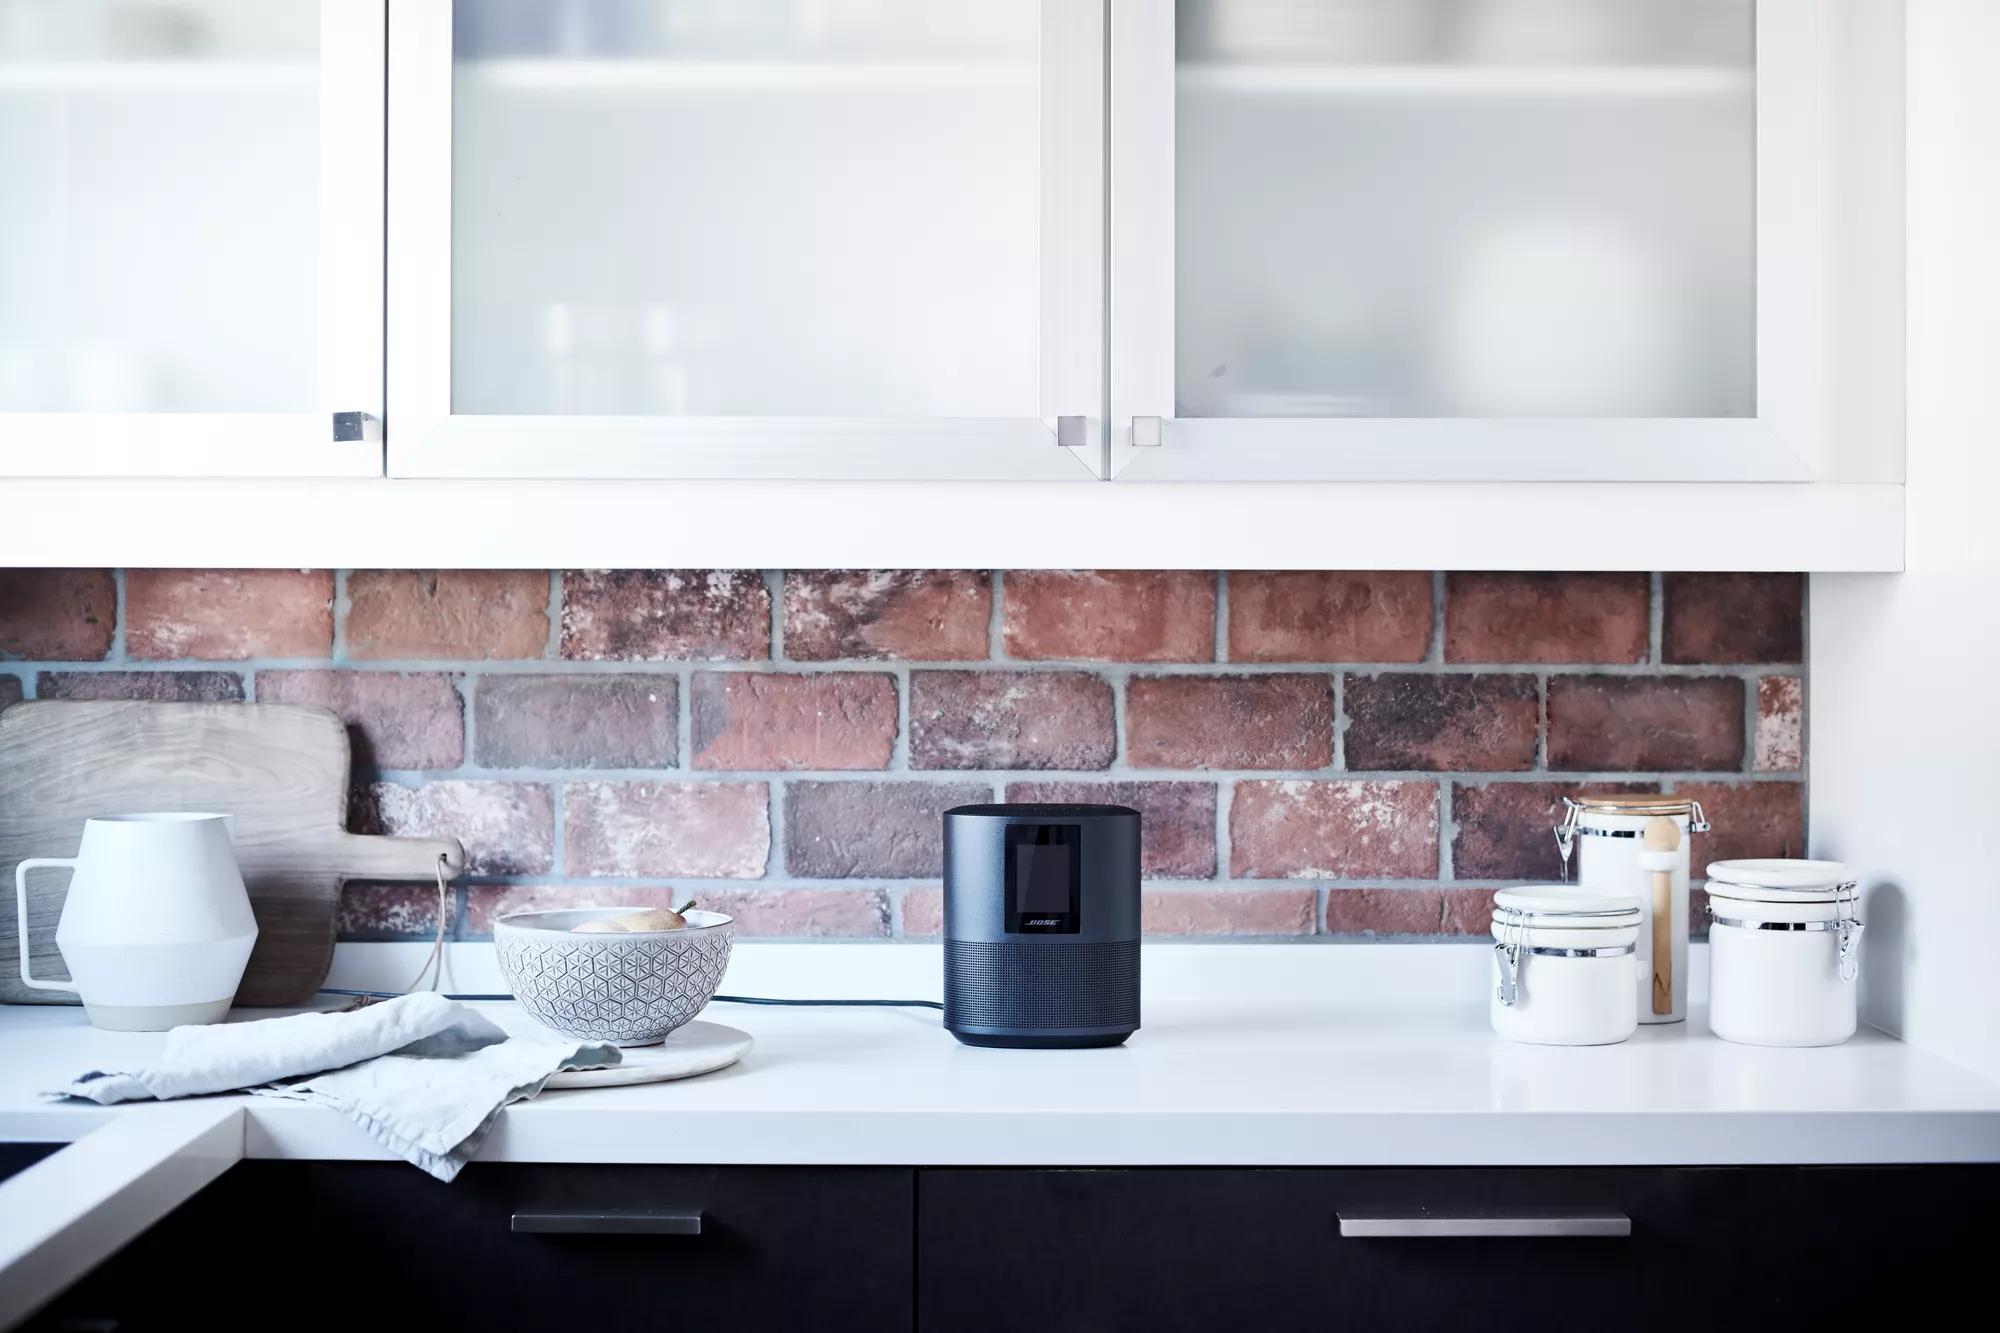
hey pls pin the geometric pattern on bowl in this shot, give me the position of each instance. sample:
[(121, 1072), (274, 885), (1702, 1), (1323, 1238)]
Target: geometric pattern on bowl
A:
[(632, 989)]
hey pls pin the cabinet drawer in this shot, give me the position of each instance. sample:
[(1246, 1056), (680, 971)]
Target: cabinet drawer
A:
[(355, 1245), (1159, 1250)]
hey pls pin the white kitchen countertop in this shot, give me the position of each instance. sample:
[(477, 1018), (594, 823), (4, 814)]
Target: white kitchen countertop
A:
[(1250, 1055)]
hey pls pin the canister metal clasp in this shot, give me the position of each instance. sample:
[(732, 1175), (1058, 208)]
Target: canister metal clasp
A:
[(1508, 957), (1566, 834), (1848, 923)]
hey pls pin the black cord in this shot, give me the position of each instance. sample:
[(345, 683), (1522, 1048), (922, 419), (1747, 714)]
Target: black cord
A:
[(724, 999)]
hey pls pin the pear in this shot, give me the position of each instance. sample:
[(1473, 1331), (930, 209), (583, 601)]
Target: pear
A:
[(652, 918)]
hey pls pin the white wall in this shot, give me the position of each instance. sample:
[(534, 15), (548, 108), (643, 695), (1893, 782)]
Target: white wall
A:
[(1904, 751)]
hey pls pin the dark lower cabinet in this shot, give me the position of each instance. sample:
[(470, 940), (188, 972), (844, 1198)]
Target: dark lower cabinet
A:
[(357, 1246), (1158, 1250), (325, 1245)]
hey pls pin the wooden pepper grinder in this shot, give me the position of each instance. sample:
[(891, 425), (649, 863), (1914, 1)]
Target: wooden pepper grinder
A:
[(1662, 840)]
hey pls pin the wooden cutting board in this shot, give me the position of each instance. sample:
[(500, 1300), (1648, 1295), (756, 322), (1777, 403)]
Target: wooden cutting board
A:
[(281, 769)]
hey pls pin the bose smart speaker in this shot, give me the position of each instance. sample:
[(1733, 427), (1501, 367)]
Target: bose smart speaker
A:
[(1041, 924)]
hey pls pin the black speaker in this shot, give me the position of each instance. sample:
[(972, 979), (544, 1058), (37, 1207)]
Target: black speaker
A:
[(1041, 924)]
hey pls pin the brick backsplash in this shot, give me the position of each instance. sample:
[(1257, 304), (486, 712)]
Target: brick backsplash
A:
[(1317, 754)]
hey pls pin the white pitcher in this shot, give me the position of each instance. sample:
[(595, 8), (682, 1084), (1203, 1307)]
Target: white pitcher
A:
[(157, 927)]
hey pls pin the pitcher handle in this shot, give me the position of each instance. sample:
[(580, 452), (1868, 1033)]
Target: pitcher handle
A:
[(21, 914)]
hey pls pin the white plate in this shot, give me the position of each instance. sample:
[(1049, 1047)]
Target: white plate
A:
[(696, 1048)]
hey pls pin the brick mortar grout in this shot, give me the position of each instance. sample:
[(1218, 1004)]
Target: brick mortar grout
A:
[(996, 616), (552, 644), (1434, 650), (528, 666), (1221, 630), (1463, 777), (337, 649), (118, 652), (1656, 617)]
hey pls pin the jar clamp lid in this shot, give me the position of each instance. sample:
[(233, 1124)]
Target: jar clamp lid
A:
[(1643, 806), (1518, 913), (1786, 883), (1781, 879)]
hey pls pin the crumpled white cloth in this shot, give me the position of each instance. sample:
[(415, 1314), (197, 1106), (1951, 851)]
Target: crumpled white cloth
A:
[(425, 1076)]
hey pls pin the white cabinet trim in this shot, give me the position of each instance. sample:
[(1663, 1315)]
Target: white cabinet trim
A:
[(425, 438), (465, 524)]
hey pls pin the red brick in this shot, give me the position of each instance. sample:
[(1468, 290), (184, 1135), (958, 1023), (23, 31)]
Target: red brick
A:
[(1645, 723), (1329, 616), (1778, 744), (1748, 819), (1467, 912), (228, 614), (507, 828), (1117, 615), (1010, 719), (394, 719), (1270, 721), (57, 615), (173, 687), (756, 720), (1511, 617), (1406, 720), (447, 613), (906, 615), (710, 830), (1733, 617), (1176, 819), (374, 910), (1228, 911), (859, 830), (657, 615), (1333, 830), (591, 721), (802, 913), (486, 903), (923, 911), (1422, 913), (1506, 830)]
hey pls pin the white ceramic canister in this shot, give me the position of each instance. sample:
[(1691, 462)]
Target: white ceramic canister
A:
[(1784, 952), (1608, 837), (1564, 962)]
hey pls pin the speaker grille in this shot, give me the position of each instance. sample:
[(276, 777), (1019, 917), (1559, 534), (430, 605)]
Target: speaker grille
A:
[(1041, 986)]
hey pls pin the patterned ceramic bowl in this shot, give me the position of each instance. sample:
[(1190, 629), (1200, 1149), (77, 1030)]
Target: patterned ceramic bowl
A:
[(632, 989)]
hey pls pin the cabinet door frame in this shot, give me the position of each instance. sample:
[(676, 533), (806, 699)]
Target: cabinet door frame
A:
[(426, 438), (1806, 59), (352, 63)]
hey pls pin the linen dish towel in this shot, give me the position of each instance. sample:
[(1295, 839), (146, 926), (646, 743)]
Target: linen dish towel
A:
[(426, 1077)]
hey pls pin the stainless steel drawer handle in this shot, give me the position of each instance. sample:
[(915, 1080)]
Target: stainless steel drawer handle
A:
[(1389, 1225), (608, 1223)]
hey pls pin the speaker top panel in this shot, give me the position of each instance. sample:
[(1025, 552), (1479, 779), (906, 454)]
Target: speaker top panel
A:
[(1034, 810)]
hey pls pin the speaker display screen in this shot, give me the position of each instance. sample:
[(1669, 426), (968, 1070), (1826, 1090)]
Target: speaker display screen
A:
[(1044, 879)]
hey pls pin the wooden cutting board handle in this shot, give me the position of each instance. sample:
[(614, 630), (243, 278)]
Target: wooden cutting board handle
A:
[(369, 856)]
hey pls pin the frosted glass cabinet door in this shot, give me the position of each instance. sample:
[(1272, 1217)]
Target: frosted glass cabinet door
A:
[(1475, 239), (748, 237), (190, 253)]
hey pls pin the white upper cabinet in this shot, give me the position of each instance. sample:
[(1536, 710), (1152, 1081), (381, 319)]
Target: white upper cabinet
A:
[(1499, 240), (746, 238), (190, 238)]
